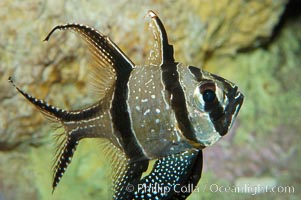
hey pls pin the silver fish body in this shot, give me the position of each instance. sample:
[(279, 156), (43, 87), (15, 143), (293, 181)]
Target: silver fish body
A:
[(165, 111), (157, 129)]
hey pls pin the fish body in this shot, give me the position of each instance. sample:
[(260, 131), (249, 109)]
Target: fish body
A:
[(164, 111)]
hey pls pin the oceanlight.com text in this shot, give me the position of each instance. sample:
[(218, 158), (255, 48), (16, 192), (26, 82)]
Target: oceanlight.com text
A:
[(214, 188), (250, 189)]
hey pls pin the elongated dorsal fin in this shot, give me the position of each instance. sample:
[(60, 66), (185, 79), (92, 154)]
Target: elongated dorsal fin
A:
[(111, 62)]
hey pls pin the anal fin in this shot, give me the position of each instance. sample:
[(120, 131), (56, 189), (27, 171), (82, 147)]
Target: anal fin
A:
[(65, 154), (128, 179), (125, 172)]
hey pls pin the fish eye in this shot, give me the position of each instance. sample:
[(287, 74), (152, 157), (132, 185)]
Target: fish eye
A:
[(207, 90), (209, 96), (205, 95)]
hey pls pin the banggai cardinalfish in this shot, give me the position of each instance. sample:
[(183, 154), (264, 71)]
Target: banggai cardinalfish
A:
[(165, 111)]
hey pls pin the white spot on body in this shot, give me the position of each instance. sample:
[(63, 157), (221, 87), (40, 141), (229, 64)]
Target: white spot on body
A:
[(146, 112), (148, 81)]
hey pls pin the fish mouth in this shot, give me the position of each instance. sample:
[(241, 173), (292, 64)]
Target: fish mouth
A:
[(239, 98), (237, 103)]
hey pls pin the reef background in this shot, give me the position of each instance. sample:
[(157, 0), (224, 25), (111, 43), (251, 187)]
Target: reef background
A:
[(256, 44)]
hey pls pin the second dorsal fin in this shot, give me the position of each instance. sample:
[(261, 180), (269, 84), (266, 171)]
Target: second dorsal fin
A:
[(111, 62)]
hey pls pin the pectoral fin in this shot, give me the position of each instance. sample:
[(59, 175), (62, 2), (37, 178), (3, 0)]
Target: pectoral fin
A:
[(192, 179)]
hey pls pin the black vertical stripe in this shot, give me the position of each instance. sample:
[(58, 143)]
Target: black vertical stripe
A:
[(122, 122), (170, 78), (122, 125), (123, 67), (171, 82), (222, 118)]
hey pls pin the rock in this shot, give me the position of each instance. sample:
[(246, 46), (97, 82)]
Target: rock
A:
[(209, 34), (198, 29)]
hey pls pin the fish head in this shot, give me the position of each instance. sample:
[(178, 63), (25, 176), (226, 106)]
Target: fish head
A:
[(212, 103)]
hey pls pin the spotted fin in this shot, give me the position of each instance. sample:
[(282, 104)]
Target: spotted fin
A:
[(174, 170), (193, 178)]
